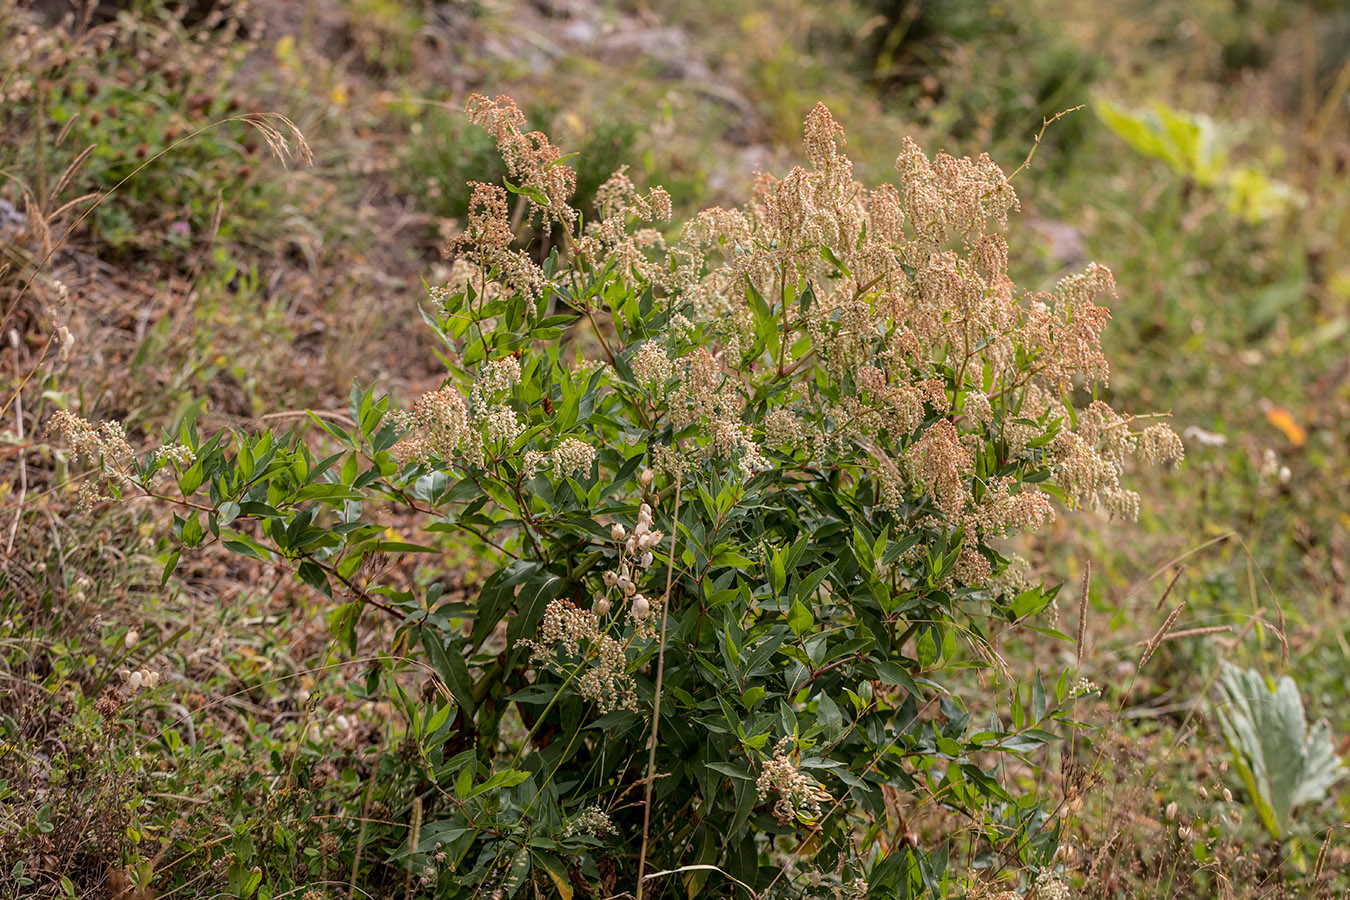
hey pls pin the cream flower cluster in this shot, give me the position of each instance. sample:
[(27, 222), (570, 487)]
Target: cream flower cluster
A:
[(799, 795), (107, 445)]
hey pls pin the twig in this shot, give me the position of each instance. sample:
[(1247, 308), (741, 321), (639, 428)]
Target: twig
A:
[(1035, 145), (1160, 634), (1168, 590)]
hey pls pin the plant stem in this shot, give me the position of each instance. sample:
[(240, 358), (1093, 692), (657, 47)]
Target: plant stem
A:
[(656, 706)]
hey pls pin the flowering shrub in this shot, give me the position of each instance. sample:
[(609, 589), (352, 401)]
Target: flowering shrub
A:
[(749, 485)]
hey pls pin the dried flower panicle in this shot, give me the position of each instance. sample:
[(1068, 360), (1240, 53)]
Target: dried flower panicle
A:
[(486, 243), (531, 158)]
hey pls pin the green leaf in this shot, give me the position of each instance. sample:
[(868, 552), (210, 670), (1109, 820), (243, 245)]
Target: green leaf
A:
[(437, 720), (529, 191), (731, 771), (828, 714), (517, 873), (830, 257), (777, 573), (190, 480), (314, 576), (342, 623), (731, 558), (556, 873), (169, 567), (229, 511), (893, 674), (1282, 762), (926, 648), (449, 664), (799, 618)]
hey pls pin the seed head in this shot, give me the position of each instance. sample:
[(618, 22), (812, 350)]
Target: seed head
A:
[(641, 608)]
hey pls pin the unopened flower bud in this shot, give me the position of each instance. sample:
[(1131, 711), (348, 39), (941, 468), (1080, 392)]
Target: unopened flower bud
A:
[(1171, 811), (646, 477), (132, 639), (618, 531)]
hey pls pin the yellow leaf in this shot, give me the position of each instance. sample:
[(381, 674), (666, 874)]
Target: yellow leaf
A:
[(559, 877), (1282, 419), (285, 51)]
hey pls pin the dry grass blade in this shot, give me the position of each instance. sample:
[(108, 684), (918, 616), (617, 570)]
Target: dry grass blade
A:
[(69, 174), (1192, 632), (276, 140), (1161, 634), (38, 227), (1083, 609), (1282, 634), (698, 867), (1167, 592), (71, 204)]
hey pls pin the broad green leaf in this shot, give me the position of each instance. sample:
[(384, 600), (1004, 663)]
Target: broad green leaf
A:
[(1282, 762)]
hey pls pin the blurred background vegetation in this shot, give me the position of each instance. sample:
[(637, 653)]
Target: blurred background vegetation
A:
[(1207, 163)]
